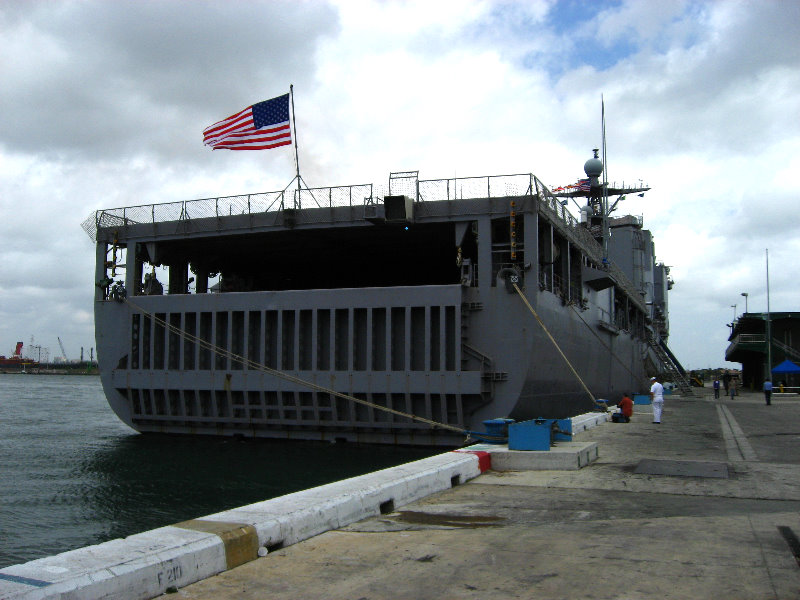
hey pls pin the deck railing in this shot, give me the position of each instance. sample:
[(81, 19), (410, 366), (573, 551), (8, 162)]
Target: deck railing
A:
[(750, 338), (225, 206), (458, 188)]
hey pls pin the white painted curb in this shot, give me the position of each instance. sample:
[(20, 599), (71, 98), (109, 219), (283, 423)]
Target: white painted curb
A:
[(588, 421), (145, 565)]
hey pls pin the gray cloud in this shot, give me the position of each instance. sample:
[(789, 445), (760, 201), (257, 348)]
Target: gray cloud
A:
[(96, 79)]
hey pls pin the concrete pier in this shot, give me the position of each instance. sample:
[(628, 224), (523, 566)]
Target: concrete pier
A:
[(147, 564), (705, 505)]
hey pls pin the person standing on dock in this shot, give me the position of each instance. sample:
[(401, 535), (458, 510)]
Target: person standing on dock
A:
[(716, 388), (657, 398), (768, 391)]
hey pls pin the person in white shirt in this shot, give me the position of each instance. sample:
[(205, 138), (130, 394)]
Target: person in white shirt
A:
[(657, 398)]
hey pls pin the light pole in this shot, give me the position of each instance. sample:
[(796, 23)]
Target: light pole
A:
[(733, 306), (768, 374), (745, 294)]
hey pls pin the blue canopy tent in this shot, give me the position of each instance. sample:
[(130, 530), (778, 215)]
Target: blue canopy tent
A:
[(785, 367), (788, 369)]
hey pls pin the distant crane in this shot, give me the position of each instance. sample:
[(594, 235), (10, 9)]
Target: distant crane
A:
[(63, 352)]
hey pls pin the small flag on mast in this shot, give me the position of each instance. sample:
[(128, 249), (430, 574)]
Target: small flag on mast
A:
[(261, 126)]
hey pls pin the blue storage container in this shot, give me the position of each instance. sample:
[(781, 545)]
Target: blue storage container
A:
[(538, 434)]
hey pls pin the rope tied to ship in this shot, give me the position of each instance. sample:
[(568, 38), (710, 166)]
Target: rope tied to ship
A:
[(599, 339), (552, 339), (255, 366)]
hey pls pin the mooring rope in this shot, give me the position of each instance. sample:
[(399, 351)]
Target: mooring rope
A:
[(552, 339), (286, 376), (606, 346)]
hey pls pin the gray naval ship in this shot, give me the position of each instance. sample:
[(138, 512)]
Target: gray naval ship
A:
[(338, 313)]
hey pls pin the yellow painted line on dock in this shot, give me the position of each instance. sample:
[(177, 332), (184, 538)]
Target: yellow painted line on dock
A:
[(240, 539)]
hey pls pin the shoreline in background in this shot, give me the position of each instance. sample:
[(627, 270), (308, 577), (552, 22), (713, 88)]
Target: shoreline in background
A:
[(38, 371)]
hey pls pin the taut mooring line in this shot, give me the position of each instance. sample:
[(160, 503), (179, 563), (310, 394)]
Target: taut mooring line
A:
[(552, 339)]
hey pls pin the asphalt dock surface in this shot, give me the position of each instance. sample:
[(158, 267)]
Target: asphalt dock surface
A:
[(704, 505)]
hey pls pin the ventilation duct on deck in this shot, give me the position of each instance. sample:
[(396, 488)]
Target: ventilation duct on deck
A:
[(398, 209)]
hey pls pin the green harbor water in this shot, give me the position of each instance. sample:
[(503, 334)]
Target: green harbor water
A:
[(72, 475)]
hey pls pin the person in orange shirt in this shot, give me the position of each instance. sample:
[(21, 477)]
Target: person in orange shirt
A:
[(626, 408)]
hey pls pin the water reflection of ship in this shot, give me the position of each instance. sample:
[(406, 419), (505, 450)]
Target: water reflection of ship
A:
[(170, 476)]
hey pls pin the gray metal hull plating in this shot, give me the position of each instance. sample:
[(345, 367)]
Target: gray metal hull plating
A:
[(423, 367)]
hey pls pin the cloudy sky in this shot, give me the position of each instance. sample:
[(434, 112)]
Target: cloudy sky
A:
[(104, 103)]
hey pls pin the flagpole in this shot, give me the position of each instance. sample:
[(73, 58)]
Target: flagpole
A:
[(296, 157)]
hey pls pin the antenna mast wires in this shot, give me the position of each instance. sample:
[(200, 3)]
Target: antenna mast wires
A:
[(605, 179)]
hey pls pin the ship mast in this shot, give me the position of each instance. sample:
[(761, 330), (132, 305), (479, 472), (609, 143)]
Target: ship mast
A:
[(598, 199), (597, 192), (605, 180)]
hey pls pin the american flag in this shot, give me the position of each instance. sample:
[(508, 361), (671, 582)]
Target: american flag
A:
[(262, 126), (583, 185)]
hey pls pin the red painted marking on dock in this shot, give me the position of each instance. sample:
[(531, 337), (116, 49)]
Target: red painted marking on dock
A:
[(484, 458)]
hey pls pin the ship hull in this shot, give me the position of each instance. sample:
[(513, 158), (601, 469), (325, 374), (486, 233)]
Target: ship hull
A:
[(434, 352), (11, 365)]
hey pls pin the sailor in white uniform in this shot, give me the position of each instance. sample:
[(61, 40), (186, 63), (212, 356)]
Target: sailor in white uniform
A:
[(657, 398)]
